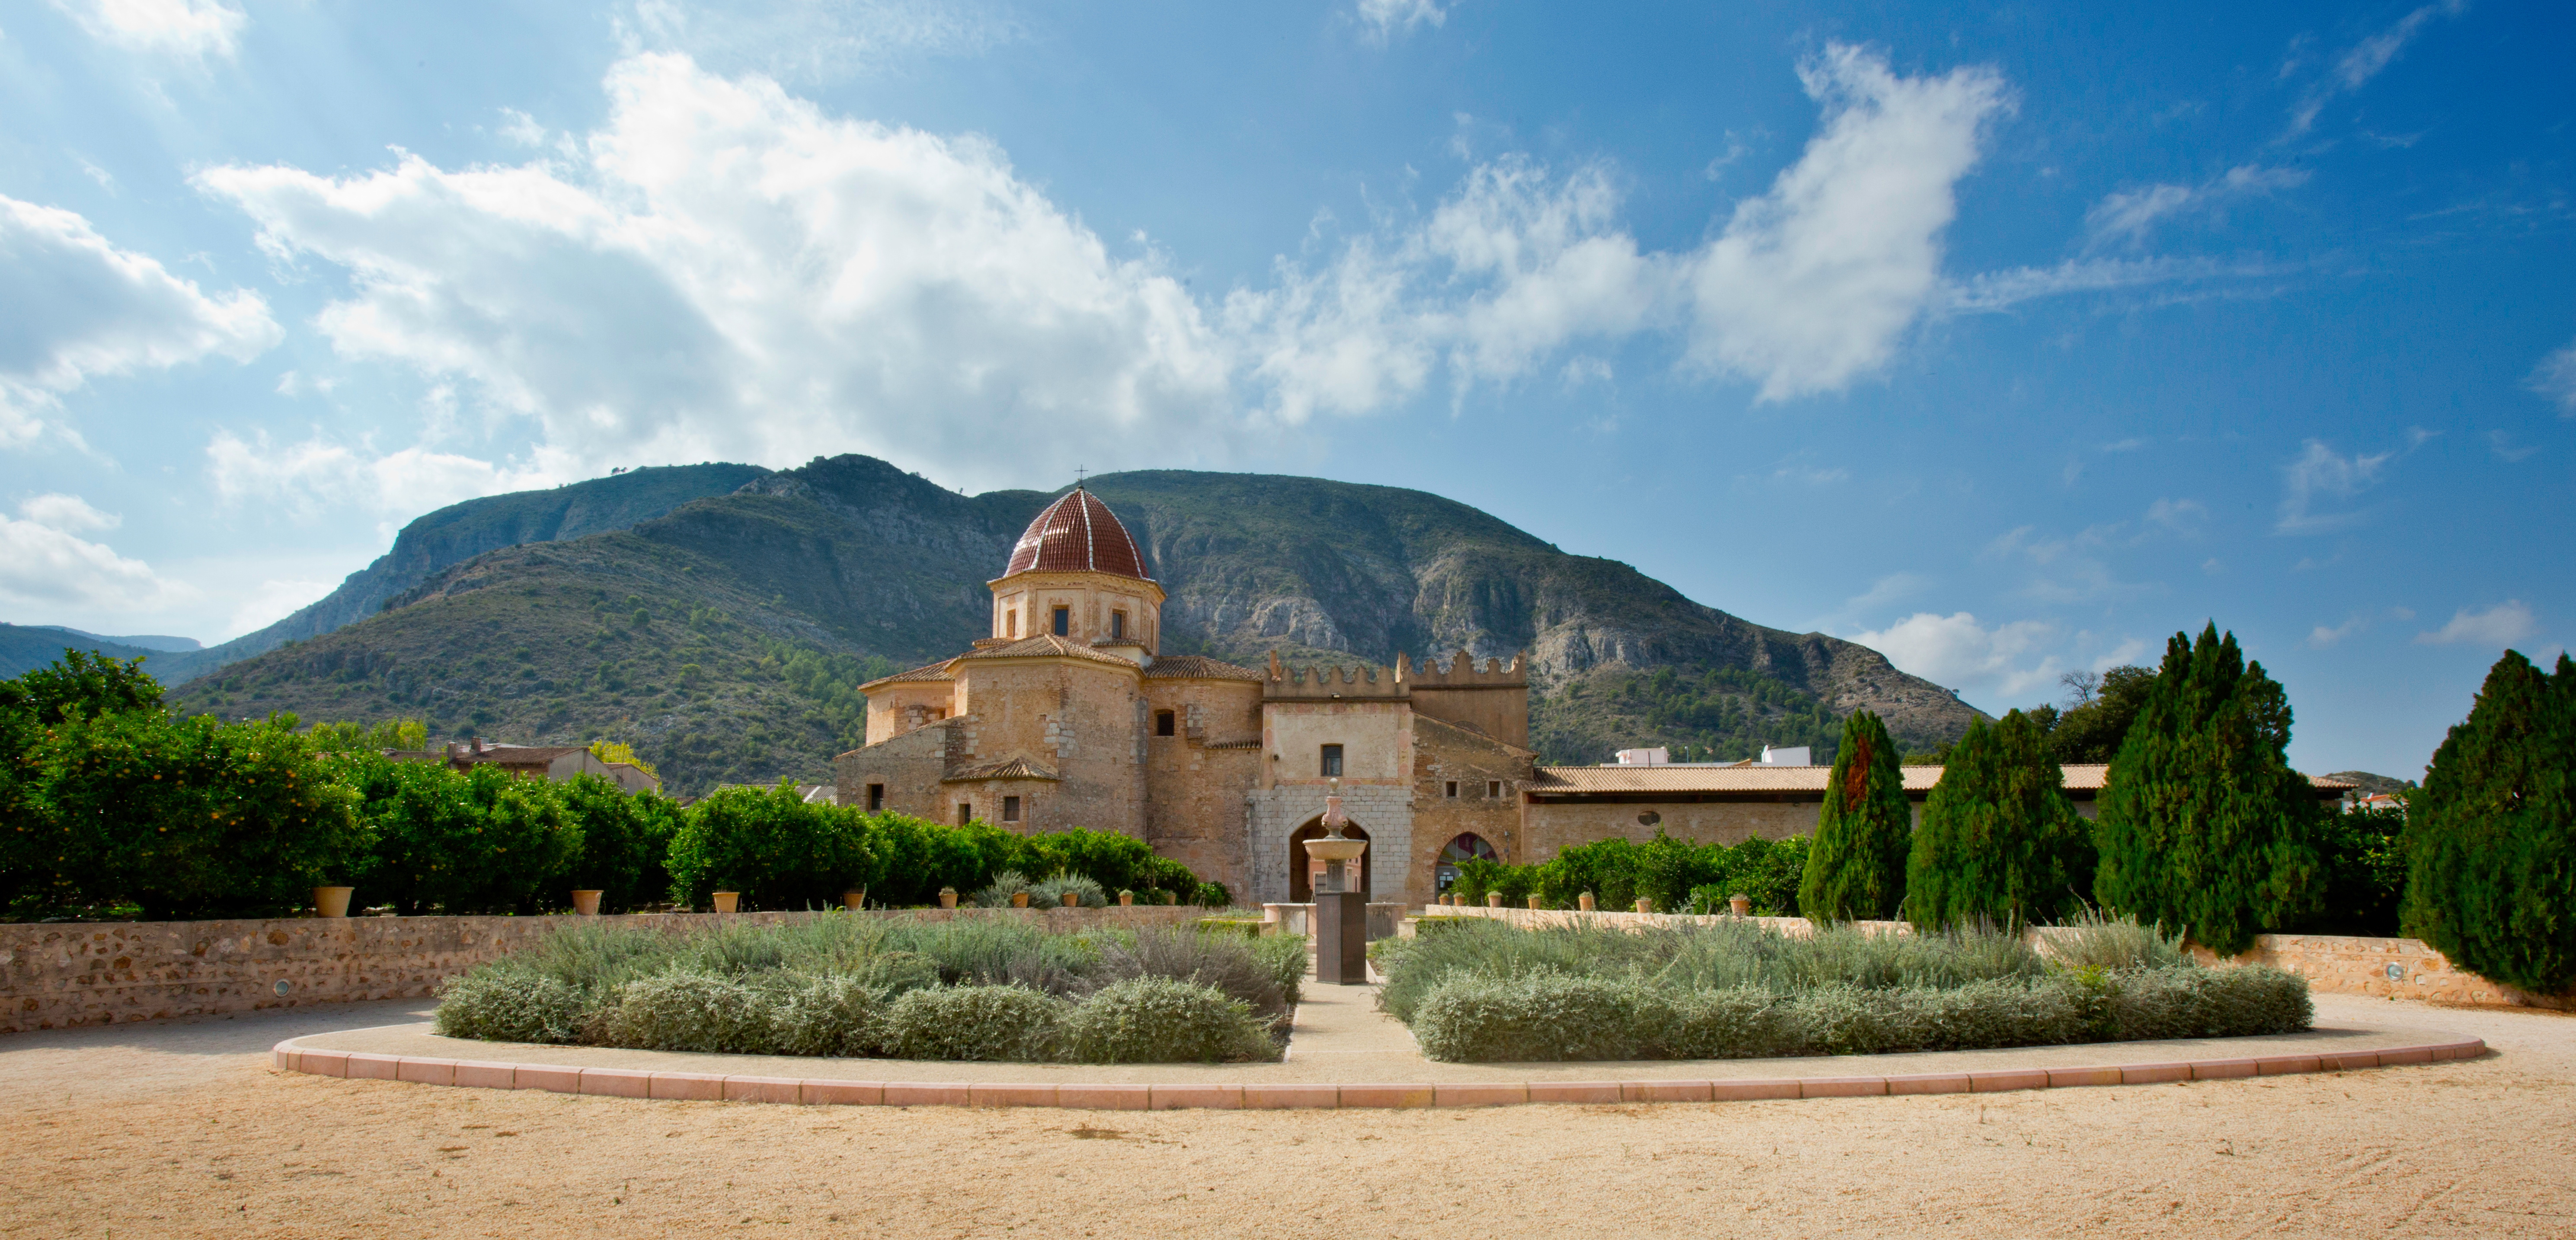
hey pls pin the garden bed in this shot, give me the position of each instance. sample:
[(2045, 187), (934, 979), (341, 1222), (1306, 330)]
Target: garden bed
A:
[(1483, 992), (972, 990)]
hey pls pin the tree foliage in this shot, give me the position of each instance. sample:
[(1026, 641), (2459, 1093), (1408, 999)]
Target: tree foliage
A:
[(2204, 827), (1856, 864), (2098, 716), (474, 841), (2493, 833), (2000, 842)]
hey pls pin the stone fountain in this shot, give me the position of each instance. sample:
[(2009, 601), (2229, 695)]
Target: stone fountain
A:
[(1341, 910)]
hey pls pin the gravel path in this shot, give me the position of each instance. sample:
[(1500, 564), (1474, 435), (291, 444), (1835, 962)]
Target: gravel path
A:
[(181, 1129)]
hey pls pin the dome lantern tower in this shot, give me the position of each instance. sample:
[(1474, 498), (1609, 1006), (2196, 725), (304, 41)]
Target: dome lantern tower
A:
[(1077, 575)]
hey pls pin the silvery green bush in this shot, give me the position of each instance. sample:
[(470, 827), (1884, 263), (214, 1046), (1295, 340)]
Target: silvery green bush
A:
[(1163, 1020), (1007, 1024), (689, 1012), (1050, 892), (510, 1005)]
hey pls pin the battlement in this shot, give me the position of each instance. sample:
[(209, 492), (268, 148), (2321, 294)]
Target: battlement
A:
[(1462, 672), (1326, 683)]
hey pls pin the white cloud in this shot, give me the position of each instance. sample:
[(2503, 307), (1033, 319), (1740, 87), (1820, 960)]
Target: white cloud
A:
[(2506, 622), (271, 602), (811, 42), (194, 29), (44, 563), (1957, 652), (2555, 378), (2319, 475), (722, 270), (2129, 215), (2181, 516), (304, 478), (73, 306), (1994, 291), (2507, 451), (2365, 59), (1380, 19), (2321, 637), (1810, 285)]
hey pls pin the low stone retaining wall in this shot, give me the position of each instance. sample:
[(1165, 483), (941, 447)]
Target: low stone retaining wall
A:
[(2333, 964), (98, 973)]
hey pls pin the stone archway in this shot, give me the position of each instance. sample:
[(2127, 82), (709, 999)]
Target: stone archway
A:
[(1301, 871), (1469, 846)]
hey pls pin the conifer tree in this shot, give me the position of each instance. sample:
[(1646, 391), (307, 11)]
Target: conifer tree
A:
[(1856, 866), (2204, 828), (2000, 842), (2492, 881)]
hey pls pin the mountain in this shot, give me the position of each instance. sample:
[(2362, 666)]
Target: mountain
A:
[(26, 647), (146, 642), (2373, 785), (459, 532), (725, 636)]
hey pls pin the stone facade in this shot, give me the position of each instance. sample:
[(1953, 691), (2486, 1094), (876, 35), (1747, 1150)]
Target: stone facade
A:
[(58, 975)]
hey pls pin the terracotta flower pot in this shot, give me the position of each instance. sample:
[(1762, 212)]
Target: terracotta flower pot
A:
[(1126, 898), (855, 900), (331, 901), (725, 900), (947, 897), (1071, 899), (1493, 899), (1586, 902), (1645, 905), (1534, 902), (585, 902), (1743, 905), (1019, 899)]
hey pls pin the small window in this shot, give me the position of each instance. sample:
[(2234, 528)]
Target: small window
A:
[(1117, 625), (1162, 723), (1493, 787), (965, 812), (1064, 622), (1010, 624), (1453, 790), (876, 797), (1010, 809), (1332, 760)]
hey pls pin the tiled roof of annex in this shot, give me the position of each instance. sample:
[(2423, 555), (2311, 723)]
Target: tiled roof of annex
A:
[(1043, 646), (1077, 534), (2081, 777), (927, 671), (1197, 667), (1008, 768)]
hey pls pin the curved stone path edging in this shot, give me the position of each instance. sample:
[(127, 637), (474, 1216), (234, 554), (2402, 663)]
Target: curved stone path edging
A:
[(715, 1087)]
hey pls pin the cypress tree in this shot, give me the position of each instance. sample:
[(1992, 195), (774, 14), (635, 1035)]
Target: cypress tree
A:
[(2000, 842), (1856, 866), (2492, 881), (2204, 827)]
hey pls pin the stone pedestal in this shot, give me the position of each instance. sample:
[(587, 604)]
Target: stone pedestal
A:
[(1341, 938)]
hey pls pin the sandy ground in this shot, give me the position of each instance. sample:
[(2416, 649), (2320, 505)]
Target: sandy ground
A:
[(182, 1129)]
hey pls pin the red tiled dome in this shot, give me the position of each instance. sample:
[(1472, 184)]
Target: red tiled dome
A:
[(1077, 534)]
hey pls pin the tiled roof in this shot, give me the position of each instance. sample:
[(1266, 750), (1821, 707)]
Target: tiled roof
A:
[(929, 671), (1198, 667), (1077, 534), (1009, 768), (2081, 777), (521, 753), (1045, 645), (1252, 743)]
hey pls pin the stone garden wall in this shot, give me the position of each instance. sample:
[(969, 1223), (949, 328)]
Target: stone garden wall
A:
[(96, 973), (2333, 964)]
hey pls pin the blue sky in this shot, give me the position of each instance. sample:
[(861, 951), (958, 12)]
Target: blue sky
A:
[(2004, 339)]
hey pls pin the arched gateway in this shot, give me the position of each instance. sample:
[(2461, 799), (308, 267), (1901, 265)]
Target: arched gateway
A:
[(1302, 869)]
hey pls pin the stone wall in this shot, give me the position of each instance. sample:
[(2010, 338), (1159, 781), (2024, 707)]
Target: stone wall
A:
[(63, 974), (2333, 964)]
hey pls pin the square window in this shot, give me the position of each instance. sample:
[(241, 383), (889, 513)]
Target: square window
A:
[(1493, 787), (965, 812), (1064, 622), (1117, 625), (1332, 760), (1163, 723), (1453, 789), (1010, 809), (876, 797)]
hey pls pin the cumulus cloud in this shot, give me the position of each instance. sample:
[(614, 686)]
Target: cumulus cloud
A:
[(194, 29), (73, 307), (2503, 624), (2555, 378), (2319, 476), (272, 601), (1812, 283), (45, 563), (723, 270), (2321, 637), (1957, 652), (305, 478), (2186, 517)]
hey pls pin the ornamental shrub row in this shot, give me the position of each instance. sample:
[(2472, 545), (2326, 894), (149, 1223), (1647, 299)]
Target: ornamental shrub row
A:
[(1675, 875)]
